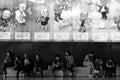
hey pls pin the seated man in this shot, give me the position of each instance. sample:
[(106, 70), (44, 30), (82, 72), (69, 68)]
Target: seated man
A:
[(5, 18), (8, 62), (110, 68), (26, 65), (38, 64), (57, 63)]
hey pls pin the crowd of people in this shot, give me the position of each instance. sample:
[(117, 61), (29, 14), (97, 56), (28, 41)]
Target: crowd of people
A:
[(28, 66)]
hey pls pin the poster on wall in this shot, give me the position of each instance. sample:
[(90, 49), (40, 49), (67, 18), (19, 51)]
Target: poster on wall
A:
[(48, 18)]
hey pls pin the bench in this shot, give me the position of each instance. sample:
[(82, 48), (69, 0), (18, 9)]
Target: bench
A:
[(58, 73), (81, 71), (67, 73), (12, 73), (47, 73)]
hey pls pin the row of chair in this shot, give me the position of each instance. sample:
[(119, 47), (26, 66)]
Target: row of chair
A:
[(79, 72)]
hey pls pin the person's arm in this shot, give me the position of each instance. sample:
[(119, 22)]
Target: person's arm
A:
[(87, 58), (54, 63), (71, 60), (9, 59), (106, 63)]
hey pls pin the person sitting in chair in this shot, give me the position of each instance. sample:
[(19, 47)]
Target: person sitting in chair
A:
[(89, 62), (26, 65), (5, 18), (38, 64), (98, 63), (57, 63), (110, 68), (8, 62), (69, 62)]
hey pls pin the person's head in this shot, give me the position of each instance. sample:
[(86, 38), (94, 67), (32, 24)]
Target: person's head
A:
[(68, 53), (110, 60), (25, 55), (37, 56), (17, 58), (8, 53), (57, 57), (91, 53), (6, 14)]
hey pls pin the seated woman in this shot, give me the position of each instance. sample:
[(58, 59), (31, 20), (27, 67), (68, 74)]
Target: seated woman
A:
[(110, 68), (17, 67), (8, 62), (98, 63), (38, 64), (57, 63), (5, 19), (89, 62), (26, 65), (44, 18), (69, 61)]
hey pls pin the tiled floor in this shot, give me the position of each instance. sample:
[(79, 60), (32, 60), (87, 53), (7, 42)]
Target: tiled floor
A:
[(59, 78)]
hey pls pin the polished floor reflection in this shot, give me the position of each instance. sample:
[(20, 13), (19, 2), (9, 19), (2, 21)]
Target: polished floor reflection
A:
[(60, 78)]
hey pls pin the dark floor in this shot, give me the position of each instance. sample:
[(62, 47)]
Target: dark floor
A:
[(59, 78)]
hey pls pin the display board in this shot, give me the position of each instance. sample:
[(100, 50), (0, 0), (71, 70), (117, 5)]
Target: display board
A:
[(60, 20)]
